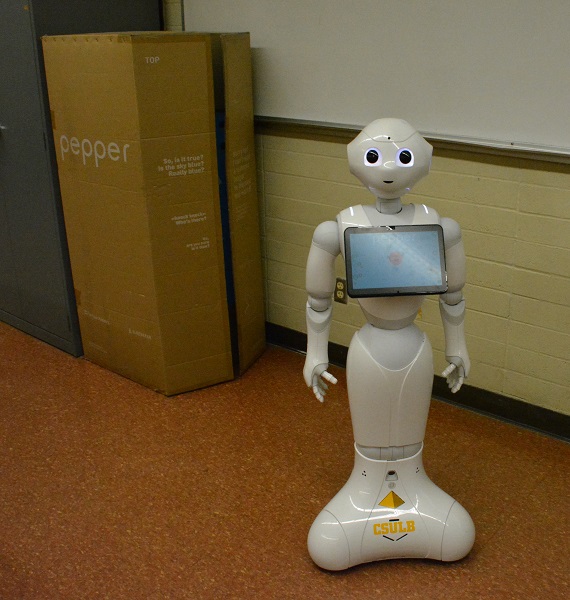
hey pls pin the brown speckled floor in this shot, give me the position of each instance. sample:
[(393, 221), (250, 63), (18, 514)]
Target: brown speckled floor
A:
[(108, 490)]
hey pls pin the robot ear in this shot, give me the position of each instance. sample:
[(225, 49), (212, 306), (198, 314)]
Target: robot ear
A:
[(357, 141), (430, 149), (430, 155), (423, 151), (355, 151)]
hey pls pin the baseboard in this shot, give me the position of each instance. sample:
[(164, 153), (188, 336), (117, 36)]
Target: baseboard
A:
[(482, 401)]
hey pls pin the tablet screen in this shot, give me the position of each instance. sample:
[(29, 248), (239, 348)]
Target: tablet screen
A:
[(395, 260)]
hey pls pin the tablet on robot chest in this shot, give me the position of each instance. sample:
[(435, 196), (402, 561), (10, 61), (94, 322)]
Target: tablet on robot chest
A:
[(400, 260)]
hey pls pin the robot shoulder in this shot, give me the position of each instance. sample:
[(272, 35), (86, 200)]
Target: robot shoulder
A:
[(353, 216), (423, 214), (326, 237), (451, 232)]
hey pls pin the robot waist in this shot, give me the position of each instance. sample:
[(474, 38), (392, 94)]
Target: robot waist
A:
[(394, 312)]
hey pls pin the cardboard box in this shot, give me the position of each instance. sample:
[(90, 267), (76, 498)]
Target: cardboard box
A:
[(165, 250)]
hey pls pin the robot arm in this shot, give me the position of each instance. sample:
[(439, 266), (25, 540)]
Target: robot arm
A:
[(320, 281), (452, 308)]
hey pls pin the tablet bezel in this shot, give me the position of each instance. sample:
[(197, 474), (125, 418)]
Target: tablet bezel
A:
[(379, 292)]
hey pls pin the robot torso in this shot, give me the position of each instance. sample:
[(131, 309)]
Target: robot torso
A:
[(394, 312)]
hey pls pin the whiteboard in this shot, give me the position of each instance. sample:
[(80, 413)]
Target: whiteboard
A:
[(495, 72)]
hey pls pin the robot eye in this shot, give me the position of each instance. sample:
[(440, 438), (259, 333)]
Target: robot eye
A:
[(405, 158), (372, 156)]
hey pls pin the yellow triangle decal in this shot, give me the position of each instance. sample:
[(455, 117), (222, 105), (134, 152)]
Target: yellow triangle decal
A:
[(392, 500)]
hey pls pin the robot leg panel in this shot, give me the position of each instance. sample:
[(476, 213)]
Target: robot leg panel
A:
[(390, 377)]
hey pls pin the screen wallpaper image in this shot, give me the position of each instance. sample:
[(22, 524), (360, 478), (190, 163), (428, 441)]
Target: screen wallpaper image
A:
[(395, 260)]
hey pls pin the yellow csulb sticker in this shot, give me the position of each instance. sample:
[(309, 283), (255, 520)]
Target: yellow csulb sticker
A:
[(394, 528)]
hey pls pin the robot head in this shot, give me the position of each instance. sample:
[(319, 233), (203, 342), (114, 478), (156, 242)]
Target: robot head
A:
[(389, 157)]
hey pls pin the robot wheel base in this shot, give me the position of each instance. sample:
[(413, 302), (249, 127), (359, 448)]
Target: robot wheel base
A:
[(374, 518)]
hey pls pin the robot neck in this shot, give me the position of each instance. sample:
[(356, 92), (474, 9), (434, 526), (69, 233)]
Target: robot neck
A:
[(388, 207)]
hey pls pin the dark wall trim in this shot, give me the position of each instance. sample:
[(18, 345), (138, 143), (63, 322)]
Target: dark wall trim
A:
[(488, 403), (342, 134)]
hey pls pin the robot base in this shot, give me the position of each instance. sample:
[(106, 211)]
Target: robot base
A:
[(389, 509)]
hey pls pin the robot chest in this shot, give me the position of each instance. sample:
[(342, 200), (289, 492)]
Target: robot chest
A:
[(368, 216), (392, 261)]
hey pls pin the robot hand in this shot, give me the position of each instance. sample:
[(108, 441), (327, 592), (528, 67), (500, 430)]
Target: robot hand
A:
[(455, 375), (317, 383)]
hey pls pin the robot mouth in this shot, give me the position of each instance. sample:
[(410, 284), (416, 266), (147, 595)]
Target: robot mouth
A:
[(389, 181)]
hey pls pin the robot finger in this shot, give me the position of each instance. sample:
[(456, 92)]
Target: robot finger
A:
[(326, 375), (318, 395), (450, 368), (317, 389), (457, 386)]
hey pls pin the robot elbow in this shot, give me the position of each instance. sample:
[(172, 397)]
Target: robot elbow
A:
[(319, 304), (452, 297)]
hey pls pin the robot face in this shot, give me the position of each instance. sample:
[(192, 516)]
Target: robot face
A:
[(389, 157)]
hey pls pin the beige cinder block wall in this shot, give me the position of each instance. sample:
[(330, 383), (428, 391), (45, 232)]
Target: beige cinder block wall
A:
[(515, 216), (173, 15)]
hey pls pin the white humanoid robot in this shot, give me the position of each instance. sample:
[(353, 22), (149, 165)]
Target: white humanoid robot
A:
[(388, 508)]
